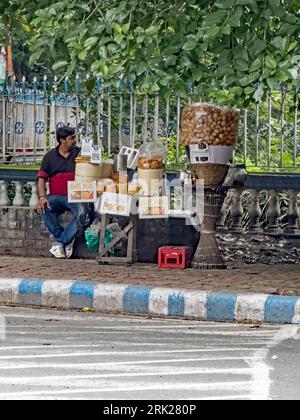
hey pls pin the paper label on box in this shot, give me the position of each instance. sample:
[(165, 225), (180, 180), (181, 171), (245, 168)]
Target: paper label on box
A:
[(199, 153), (82, 192), (87, 144), (96, 155), (118, 204), (153, 207), (132, 156)]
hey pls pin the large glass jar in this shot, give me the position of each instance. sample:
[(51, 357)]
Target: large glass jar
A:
[(210, 124)]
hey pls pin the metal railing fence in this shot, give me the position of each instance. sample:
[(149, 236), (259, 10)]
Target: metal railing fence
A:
[(31, 112)]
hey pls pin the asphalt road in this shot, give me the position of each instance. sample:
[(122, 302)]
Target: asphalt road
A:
[(71, 355)]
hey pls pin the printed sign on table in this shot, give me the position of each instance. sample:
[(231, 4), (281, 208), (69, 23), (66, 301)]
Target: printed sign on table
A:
[(82, 192), (117, 204), (86, 148), (96, 155), (153, 207)]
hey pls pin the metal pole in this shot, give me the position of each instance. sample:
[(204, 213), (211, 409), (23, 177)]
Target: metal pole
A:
[(156, 117), (46, 131), (245, 135), (34, 118), (145, 121), (167, 120), (134, 121), (282, 117), (3, 126), (120, 121), (178, 128), (257, 135), (109, 123), (296, 132), (269, 127)]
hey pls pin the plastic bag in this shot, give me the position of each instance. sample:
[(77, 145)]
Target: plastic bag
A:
[(152, 156), (92, 236), (92, 240)]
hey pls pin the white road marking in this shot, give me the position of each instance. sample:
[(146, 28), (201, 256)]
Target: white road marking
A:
[(210, 326), (261, 383), (253, 335), (110, 365), (46, 347), (215, 372), (113, 353), (65, 380), (234, 386)]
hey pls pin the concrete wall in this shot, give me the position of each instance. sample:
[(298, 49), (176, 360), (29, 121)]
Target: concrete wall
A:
[(22, 233)]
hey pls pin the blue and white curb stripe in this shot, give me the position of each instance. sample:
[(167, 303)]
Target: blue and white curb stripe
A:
[(153, 301)]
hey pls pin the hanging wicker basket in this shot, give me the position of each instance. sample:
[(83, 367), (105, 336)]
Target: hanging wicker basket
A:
[(212, 173)]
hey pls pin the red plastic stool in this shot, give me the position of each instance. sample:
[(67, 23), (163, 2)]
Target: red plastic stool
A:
[(174, 257)]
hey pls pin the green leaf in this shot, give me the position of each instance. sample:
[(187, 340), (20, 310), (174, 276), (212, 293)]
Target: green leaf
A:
[(190, 45), (95, 66), (249, 90), (271, 63), (213, 31), (90, 42), (256, 65), (235, 19), (26, 28), (294, 73), (112, 48), (103, 69), (117, 27), (103, 52), (119, 38), (292, 46), (244, 2), (214, 18), (152, 30), (59, 65), (126, 28), (117, 69), (224, 4), (104, 40), (272, 83), (241, 65), (82, 55), (279, 42), (226, 30), (250, 79)]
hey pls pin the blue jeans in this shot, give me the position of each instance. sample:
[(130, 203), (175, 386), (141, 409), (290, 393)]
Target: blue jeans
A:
[(58, 205)]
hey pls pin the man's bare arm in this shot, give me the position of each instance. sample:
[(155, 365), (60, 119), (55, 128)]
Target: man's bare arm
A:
[(43, 202)]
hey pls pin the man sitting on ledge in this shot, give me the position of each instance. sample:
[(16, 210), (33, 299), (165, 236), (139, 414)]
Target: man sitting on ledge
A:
[(58, 167)]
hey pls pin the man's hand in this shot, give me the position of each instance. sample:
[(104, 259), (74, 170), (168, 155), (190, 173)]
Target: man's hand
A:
[(42, 204)]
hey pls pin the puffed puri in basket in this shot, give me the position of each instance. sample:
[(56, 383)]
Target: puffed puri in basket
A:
[(212, 173)]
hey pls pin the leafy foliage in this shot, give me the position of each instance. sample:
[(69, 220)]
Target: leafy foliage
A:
[(246, 45)]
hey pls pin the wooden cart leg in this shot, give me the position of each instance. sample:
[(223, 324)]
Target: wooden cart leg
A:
[(104, 223), (132, 242)]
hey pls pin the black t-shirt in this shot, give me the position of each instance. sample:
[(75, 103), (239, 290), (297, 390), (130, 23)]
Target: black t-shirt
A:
[(58, 170)]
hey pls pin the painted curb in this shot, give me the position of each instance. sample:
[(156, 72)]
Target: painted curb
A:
[(150, 301)]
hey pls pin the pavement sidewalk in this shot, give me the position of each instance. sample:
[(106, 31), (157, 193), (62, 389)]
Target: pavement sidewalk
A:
[(269, 279), (144, 289)]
